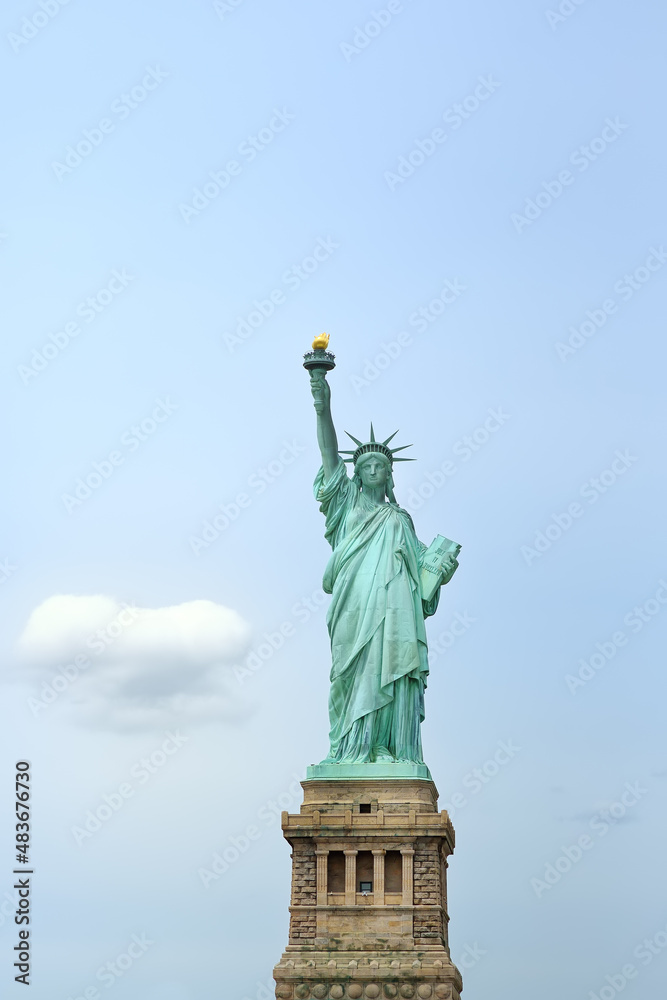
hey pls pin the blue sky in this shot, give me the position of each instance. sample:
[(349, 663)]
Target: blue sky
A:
[(469, 199)]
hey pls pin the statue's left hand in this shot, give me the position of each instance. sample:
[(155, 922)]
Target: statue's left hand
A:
[(448, 568)]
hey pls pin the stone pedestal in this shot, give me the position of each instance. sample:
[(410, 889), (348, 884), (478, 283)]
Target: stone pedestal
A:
[(368, 915)]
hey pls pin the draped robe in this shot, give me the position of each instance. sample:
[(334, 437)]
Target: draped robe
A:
[(376, 625)]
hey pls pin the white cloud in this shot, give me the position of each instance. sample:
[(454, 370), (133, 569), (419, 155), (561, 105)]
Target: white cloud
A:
[(132, 668)]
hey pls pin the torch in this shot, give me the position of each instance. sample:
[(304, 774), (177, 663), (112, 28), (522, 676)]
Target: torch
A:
[(319, 359)]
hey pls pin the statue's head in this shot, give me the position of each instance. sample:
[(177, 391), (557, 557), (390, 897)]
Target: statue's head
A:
[(373, 469), (373, 462)]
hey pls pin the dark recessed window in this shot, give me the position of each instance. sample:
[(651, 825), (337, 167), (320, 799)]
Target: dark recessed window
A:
[(365, 887), (365, 807), (393, 871), (336, 871)]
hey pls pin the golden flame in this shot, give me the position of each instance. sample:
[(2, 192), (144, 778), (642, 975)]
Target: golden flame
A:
[(321, 342)]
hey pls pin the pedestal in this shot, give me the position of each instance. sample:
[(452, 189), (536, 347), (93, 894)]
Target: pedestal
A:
[(368, 914)]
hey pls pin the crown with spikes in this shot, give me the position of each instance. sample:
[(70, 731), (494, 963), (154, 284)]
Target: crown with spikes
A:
[(374, 446)]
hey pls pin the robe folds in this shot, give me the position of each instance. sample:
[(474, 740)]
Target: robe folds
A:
[(376, 625)]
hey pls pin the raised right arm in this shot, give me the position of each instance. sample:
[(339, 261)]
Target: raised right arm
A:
[(326, 432)]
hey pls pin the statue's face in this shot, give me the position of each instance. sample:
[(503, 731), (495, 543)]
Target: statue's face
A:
[(373, 470)]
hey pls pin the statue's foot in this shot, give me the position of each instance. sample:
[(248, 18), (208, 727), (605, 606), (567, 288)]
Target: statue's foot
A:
[(382, 756)]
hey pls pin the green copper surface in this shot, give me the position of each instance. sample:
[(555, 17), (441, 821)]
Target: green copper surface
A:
[(365, 771), (376, 617)]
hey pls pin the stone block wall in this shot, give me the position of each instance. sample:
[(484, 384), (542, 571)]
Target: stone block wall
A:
[(302, 927), (428, 927), (304, 876), (428, 889), (428, 892)]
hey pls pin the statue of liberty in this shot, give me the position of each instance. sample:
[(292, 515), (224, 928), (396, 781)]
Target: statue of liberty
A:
[(384, 582)]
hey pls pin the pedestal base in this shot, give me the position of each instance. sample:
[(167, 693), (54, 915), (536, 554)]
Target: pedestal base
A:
[(368, 916), (373, 975)]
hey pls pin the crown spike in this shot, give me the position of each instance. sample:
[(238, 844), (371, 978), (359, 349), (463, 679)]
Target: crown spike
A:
[(374, 446)]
